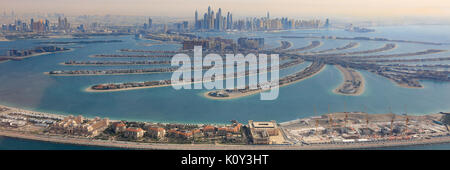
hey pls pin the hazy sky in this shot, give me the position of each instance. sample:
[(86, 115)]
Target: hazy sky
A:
[(185, 8)]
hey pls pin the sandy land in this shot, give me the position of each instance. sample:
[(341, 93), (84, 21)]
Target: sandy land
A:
[(114, 74), (334, 49), (4, 61), (89, 89), (239, 95), (4, 39), (160, 146), (407, 86), (348, 76), (60, 36), (134, 145), (35, 54)]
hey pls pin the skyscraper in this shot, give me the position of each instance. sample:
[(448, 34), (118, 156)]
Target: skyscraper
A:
[(218, 23), (213, 21), (228, 21), (31, 24), (327, 23), (150, 22), (196, 24)]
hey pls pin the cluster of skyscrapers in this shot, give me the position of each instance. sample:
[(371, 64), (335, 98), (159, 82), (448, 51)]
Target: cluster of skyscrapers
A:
[(213, 21), (218, 22), (39, 26)]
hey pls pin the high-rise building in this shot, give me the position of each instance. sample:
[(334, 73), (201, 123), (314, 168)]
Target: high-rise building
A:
[(150, 23), (31, 24), (327, 23), (196, 24)]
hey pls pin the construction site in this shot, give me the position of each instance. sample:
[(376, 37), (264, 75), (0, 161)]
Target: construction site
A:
[(361, 127)]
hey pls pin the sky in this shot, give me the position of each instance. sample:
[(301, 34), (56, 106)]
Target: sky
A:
[(277, 8)]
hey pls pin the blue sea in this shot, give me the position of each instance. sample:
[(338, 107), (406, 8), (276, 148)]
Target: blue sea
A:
[(24, 84)]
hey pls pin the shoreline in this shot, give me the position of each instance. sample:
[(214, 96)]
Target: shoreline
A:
[(84, 141), (235, 96), (34, 55), (114, 74), (161, 146), (346, 74), (90, 90)]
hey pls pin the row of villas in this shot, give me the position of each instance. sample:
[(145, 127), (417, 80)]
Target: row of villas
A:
[(80, 126), (161, 133)]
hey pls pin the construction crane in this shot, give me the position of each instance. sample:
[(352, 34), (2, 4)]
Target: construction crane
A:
[(317, 120), (367, 120), (345, 120), (392, 125), (345, 107), (330, 121), (406, 125)]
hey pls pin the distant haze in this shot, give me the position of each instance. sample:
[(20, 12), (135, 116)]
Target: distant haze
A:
[(277, 8)]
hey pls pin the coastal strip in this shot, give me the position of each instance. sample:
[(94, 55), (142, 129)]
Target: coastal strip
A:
[(284, 45), (116, 71), (149, 51), (166, 83), (350, 45), (130, 56), (386, 47), (113, 63), (365, 39), (313, 44), (409, 60), (80, 42), (315, 68), (426, 52), (23, 54), (357, 130), (353, 83)]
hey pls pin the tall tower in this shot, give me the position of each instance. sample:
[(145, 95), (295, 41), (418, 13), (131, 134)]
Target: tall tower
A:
[(327, 23), (150, 22), (212, 20), (209, 10), (228, 21), (196, 20), (31, 24), (268, 15), (231, 21), (219, 20), (205, 21)]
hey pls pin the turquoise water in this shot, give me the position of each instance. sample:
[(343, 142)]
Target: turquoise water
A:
[(24, 85)]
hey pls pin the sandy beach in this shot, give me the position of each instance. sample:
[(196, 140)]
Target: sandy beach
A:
[(350, 76), (161, 146), (4, 39), (35, 54), (67, 139), (114, 74), (89, 89), (239, 95)]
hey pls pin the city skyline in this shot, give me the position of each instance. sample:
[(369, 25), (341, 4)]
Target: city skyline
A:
[(289, 8)]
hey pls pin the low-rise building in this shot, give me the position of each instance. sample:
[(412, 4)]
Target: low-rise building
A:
[(134, 133), (180, 134), (156, 132), (119, 127), (261, 131), (78, 126)]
